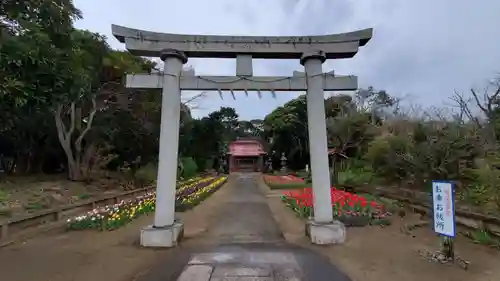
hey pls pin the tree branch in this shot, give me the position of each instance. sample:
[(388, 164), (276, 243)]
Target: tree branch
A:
[(78, 142), (61, 129), (195, 97), (72, 121), (478, 103), (464, 108)]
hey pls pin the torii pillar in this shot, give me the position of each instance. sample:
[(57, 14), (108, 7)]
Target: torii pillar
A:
[(165, 230), (322, 229)]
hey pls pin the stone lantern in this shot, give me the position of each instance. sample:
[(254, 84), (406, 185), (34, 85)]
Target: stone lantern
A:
[(269, 164), (283, 160)]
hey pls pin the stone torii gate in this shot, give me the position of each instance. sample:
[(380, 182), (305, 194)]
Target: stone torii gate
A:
[(174, 50)]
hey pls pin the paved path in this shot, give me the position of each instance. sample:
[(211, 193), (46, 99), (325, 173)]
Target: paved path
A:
[(245, 217), (246, 245)]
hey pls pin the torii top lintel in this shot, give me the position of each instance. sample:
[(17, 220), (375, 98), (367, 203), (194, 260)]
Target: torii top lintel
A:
[(150, 44)]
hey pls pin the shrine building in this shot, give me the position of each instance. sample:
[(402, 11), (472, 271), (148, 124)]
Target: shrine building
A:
[(246, 155)]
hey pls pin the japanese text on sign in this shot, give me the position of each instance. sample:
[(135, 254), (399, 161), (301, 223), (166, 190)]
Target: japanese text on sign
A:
[(444, 215)]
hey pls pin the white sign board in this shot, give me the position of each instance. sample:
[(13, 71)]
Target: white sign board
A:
[(444, 209)]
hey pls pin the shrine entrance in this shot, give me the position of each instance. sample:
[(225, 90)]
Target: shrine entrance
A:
[(245, 164), (175, 49), (245, 155)]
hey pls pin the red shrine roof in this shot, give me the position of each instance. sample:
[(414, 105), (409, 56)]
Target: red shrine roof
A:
[(245, 148)]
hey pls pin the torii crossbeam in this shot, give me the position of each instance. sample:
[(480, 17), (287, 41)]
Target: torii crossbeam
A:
[(190, 82), (174, 50)]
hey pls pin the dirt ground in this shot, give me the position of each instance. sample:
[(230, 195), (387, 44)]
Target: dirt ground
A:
[(96, 256), (382, 254), (22, 195)]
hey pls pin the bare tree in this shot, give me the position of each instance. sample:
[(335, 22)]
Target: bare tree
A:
[(486, 102), (464, 108)]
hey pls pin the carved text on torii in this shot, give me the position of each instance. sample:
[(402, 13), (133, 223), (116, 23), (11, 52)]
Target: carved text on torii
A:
[(202, 39), (151, 44)]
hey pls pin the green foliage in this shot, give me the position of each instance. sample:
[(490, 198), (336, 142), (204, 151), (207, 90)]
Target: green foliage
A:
[(40, 72), (307, 177), (146, 175), (349, 134), (477, 194), (354, 177), (209, 163), (302, 174), (482, 184), (286, 126), (252, 128), (190, 169), (3, 196), (84, 196), (54, 17), (485, 238), (45, 63), (419, 152), (390, 157), (209, 136), (349, 130)]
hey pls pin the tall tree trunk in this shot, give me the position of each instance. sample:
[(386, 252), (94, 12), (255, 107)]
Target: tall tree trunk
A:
[(21, 164), (65, 138)]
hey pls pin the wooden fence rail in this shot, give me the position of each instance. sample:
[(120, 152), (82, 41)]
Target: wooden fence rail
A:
[(13, 226), (57, 216)]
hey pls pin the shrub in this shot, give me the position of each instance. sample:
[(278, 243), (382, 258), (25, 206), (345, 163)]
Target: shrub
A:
[(354, 176), (391, 157), (303, 174), (308, 178), (483, 188), (190, 168), (208, 164), (146, 175)]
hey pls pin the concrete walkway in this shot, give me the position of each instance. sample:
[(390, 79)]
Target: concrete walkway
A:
[(246, 244), (245, 216)]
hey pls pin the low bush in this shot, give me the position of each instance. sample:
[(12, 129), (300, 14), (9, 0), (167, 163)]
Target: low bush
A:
[(354, 177), (145, 175), (189, 167)]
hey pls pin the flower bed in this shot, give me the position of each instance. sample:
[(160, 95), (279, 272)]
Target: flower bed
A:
[(112, 217), (197, 194), (284, 182), (189, 181), (192, 186), (349, 208)]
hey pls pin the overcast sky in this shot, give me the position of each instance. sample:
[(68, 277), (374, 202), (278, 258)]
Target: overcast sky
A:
[(426, 48)]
